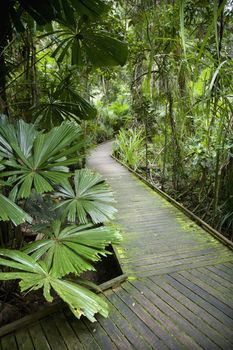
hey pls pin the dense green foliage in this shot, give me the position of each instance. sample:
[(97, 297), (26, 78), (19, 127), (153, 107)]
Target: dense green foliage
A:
[(180, 73), (48, 50), (65, 85)]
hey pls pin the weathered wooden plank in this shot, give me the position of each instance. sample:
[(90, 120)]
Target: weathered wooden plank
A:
[(220, 274), (227, 300), (185, 289), (218, 284), (177, 317), (157, 327), (133, 331), (53, 336), (150, 253), (169, 269), (230, 266), (67, 333), (156, 259), (23, 340), (8, 342), (227, 270), (38, 337), (124, 301), (114, 332), (203, 293), (86, 338), (101, 337), (214, 335)]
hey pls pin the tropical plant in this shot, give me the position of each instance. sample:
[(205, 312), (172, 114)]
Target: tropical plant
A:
[(34, 275), (90, 199), (12, 212), (128, 147), (62, 102), (35, 160), (71, 248)]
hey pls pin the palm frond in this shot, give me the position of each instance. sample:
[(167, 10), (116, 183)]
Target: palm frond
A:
[(34, 275), (91, 198), (11, 211), (35, 160), (73, 248)]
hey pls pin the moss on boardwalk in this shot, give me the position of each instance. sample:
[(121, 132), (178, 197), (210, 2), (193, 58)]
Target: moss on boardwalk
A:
[(179, 293)]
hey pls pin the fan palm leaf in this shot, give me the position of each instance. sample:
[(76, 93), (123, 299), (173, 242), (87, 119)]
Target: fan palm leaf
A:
[(11, 211), (34, 275), (36, 160), (90, 198), (73, 248)]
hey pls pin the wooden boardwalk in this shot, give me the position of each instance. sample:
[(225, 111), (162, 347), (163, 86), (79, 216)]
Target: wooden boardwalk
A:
[(179, 294)]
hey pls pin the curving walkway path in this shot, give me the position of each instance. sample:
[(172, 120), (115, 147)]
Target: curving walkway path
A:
[(179, 294)]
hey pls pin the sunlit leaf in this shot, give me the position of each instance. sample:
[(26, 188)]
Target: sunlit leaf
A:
[(72, 249), (90, 199), (34, 275)]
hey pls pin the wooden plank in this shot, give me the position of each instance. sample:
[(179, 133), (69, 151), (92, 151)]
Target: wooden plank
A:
[(203, 293), (114, 332), (155, 320), (38, 337), (180, 262), (114, 282), (210, 290), (229, 265), (198, 311), (133, 331), (186, 290), (24, 340), (124, 302), (154, 260), (216, 277), (217, 271), (101, 337), (66, 331), (150, 253), (29, 319), (220, 286), (83, 334), (170, 269), (175, 316), (53, 336), (8, 342), (226, 270)]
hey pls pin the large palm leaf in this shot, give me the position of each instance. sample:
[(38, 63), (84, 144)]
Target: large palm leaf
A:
[(73, 248), (11, 211), (90, 198), (100, 48), (35, 160), (84, 39), (34, 275), (63, 103)]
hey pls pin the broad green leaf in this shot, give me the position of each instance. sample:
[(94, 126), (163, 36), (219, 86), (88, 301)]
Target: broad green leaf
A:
[(90, 7), (35, 160), (10, 211), (104, 50), (90, 199), (73, 248), (34, 275)]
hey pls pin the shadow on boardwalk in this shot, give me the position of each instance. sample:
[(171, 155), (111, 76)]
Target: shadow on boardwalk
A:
[(179, 294)]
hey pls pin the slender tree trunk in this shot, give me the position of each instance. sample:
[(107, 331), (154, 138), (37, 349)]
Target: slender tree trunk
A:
[(3, 96)]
